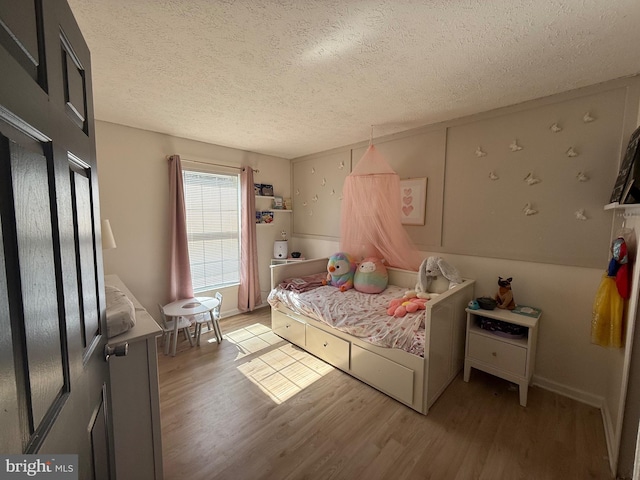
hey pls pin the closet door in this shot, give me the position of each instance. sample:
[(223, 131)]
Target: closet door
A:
[(53, 373)]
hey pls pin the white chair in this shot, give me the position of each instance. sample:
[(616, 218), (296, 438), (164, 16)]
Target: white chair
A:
[(169, 327), (211, 320)]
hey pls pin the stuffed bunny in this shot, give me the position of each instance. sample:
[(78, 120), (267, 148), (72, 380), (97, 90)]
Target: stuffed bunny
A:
[(433, 267)]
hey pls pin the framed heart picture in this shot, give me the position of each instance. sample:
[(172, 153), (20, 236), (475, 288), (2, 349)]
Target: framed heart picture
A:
[(413, 201)]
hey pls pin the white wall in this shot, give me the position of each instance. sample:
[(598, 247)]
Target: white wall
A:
[(134, 196)]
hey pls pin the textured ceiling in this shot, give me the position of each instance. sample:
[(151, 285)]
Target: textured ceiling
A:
[(293, 77)]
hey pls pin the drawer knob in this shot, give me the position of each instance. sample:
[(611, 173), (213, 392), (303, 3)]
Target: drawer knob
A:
[(287, 326), (494, 354), (325, 344)]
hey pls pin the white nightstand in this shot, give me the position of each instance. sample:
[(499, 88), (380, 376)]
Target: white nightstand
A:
[(510, 358)]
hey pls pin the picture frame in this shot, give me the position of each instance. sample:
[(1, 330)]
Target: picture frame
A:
[(626, 177), (267, 216), (266, 190), (277, 203), (264, 216), (413, 201)]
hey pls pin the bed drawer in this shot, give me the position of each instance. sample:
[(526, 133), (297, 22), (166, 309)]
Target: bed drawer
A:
[(492, 351), (328, 347), (288, 328), (390, 377)]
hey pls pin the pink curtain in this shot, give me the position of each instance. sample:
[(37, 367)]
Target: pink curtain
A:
[(180, 285), (249, 291)]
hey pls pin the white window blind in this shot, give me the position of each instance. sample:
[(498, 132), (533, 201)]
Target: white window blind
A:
[(212, 203)]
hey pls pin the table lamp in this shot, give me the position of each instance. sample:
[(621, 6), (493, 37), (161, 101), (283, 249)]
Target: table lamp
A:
[(108, 242)]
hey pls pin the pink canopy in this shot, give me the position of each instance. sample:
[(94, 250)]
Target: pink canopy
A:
[(371, 223)]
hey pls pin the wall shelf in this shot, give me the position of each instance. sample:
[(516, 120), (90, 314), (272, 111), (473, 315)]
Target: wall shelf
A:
[(622, 206), (627, 209), (284, 210)]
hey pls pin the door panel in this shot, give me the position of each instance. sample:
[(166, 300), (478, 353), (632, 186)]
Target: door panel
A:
[(21, 34), (31, 192), (99, 439), (74, 84), (69, 75), (10, 440), (80, 177), (51, 276)]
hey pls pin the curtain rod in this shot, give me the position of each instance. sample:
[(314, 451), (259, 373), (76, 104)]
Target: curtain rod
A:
[(168, 157)]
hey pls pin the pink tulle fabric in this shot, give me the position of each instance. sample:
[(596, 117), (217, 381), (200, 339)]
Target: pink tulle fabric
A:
[(370, 224)]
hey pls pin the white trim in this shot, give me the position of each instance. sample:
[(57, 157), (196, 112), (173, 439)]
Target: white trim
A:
[(589, 399), (203, 166), (579, 395), (610, 436), (235, 311), (636, 461)]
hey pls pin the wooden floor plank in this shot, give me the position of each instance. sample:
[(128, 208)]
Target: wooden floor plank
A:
[(256, 407)]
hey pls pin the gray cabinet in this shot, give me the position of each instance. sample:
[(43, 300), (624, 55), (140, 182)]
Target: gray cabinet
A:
[(135, 397)]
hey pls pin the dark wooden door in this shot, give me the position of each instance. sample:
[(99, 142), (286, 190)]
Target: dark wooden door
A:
[(53, 375)]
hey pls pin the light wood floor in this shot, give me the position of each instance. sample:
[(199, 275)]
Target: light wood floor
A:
[(256, 407)]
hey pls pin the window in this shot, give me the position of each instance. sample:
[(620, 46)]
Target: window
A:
[(212, 204)]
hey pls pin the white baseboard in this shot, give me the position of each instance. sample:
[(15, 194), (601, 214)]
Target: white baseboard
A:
[(574, 393), (235, 311), (589, 399), (609, 433)]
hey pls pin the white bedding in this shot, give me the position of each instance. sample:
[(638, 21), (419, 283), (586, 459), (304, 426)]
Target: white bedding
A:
[(359, 314), (121, 314)]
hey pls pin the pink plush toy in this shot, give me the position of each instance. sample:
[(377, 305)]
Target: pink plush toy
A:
[(371, 276), (399, 307)]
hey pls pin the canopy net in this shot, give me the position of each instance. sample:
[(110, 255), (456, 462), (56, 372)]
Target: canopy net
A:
[(370, 224)]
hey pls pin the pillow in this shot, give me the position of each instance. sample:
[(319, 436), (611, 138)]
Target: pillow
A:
[(121, 314), (371, 276)]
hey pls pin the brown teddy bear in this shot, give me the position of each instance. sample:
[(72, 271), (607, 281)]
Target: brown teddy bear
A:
[(504, 297)]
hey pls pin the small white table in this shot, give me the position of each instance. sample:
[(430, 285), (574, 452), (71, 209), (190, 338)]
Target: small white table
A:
[(510, 358), (192, 306)]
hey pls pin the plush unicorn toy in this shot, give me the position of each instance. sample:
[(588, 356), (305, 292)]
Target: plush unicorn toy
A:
[(341, 268)]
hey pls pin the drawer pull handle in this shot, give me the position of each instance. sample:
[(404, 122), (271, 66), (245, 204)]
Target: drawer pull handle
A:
[(325, 344), (494, 354)]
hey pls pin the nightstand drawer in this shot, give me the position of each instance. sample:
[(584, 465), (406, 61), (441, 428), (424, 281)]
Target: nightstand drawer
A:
[(328, 347), (498, 354)]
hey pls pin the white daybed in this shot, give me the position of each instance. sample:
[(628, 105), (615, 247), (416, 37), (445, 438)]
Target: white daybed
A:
[(411, 379)]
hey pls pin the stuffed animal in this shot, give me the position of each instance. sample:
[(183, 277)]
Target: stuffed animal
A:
[(341, 268), (504, 297), (432, 268), (371, 276), (399, 307), (424, 295)]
